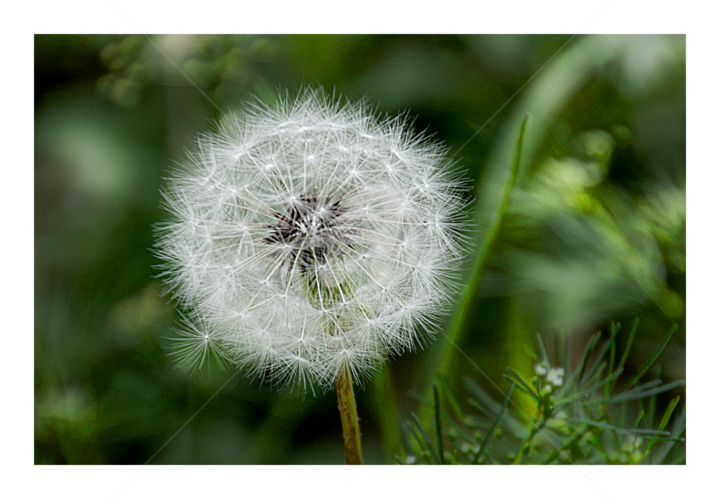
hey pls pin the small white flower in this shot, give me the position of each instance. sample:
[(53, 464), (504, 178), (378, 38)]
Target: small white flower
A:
[(555, 376), (310, 237), (552, 376)]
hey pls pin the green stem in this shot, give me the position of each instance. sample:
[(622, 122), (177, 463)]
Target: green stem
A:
[(349, 418), (448, 361), (537, 426)]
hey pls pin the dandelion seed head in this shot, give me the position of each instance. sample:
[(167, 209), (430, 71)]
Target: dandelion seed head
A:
[(310, 237)]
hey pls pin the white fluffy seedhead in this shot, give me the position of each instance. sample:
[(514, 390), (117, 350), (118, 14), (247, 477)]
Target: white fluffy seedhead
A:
[(309, 237)]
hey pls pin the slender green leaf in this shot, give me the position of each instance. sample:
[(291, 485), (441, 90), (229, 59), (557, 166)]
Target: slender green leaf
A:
[(586, 356), (629, 343), (438, 425), (655, 357), (448, 361), (515, 377), (491, 430)]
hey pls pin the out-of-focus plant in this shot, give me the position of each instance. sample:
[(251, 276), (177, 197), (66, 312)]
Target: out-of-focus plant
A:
[(586, 413), (580, 244), (582, 248), (223, 68)]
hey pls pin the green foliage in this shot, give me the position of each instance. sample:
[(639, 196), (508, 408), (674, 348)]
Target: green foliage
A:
[(594, 231), (587, 415)]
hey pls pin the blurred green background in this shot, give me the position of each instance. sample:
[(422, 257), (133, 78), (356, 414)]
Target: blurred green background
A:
[(595, 231)]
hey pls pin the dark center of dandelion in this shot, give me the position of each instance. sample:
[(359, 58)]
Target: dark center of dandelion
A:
[(309, 231)]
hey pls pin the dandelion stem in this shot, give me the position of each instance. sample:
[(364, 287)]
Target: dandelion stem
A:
[(349, 417)]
